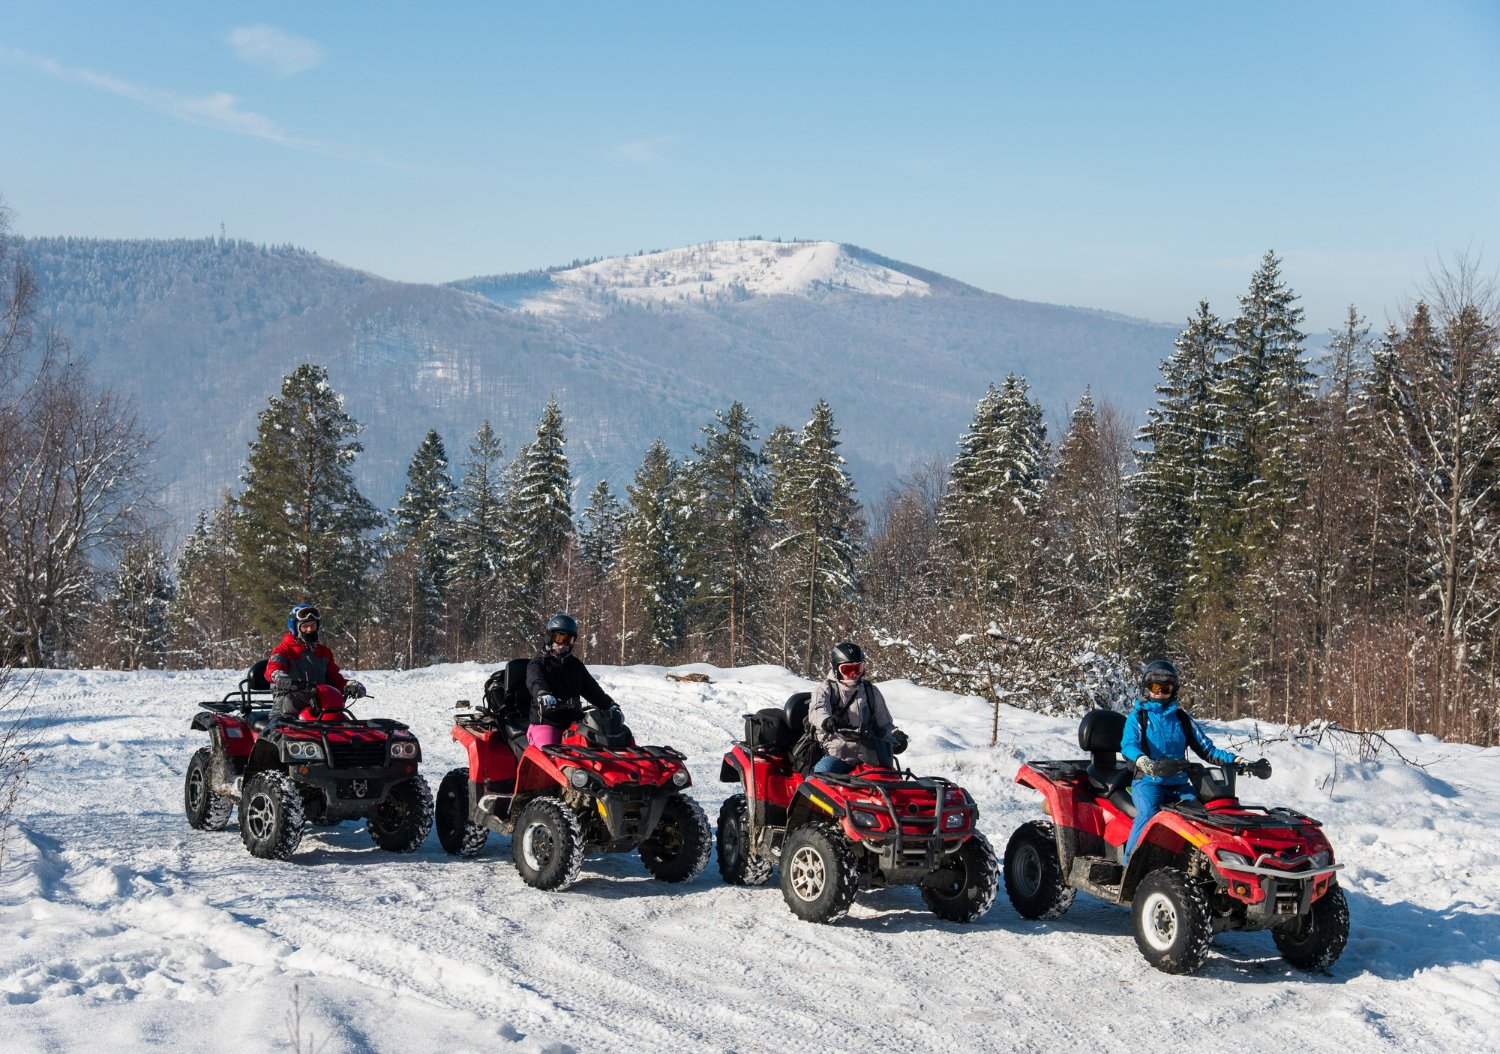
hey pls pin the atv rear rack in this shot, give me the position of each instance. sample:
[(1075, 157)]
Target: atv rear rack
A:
[(562, 751)]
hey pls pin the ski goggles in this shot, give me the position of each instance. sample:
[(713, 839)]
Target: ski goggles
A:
[(563, 638), (851, 670), (307, 613), (1160, 688)]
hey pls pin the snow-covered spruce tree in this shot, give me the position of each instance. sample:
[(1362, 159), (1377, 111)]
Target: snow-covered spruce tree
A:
[(480, 585), (418, 558), (1085, 514), (726, 493), (540, 510), (1252, 483), (599, 531), (819, 530), (208, 623), (1166, 490), (773, 575), (650, 563), (302, 531), (995, 490), (127, 630)]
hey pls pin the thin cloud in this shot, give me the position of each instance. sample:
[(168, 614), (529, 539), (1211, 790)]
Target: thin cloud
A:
[(217, 110), (641, 151), (278, 53)]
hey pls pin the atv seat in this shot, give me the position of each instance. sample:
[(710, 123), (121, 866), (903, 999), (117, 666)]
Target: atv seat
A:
[(796, 713), (1099, 733), (513, 710)]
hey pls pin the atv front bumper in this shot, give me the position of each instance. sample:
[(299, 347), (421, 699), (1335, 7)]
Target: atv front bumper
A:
[(348, 793)]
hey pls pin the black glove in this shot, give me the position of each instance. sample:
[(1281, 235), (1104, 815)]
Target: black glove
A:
[(355, 690), (1260, 769), (281, 681), (830, 726), (898, 740)]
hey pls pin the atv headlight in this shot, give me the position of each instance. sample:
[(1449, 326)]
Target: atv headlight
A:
[(1235, 859), (864, 819), (680, 778), (953, 821), (304, 749), (403, 749), (1323, 859), (578, 779)]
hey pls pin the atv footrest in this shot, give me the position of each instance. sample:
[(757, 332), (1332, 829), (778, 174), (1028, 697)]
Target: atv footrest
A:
[(1097, 875)]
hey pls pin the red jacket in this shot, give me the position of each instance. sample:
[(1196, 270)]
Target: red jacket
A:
[(315, 664)]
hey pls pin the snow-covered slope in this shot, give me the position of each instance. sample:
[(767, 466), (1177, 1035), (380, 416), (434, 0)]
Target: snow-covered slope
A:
[(718, 272), (123, 929)]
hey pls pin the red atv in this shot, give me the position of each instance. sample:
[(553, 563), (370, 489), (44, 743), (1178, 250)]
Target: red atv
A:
[(1200, 867), (597, 791), (325, 767), (877, 826)]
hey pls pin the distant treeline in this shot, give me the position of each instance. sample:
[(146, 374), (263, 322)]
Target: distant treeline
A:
[(1307, 546)]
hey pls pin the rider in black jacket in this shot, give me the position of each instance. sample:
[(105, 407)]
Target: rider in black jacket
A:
[(557, 680)]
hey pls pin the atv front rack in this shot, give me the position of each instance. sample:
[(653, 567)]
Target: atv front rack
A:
[(562, 751), (899, 851), (1245, 817)]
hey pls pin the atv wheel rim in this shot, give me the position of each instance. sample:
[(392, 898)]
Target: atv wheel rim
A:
[(1027, 872), (537, 846), (733, 851), (809, 877), (260, 816), (195, 788), (1159, 918)]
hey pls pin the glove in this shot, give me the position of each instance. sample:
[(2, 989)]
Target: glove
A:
[(549, 703), (830, 726), (898, 741), (1148, 767), (1260, 769), (355, 690), (281, 681)]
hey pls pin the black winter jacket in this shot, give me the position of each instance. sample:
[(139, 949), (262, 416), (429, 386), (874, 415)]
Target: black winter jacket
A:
[(569, 680)]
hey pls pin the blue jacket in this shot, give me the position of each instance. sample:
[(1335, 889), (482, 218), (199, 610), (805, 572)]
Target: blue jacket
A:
[(1165, 736)]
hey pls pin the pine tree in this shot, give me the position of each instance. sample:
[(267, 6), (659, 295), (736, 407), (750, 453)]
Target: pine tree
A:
[(1167, 490), (129, 627), (485, 595), (303, 526), (1086, 512), (650, 559), (726, 495), (541, 513), (599, 533), (819, 530), (419, 562), (209, 625)]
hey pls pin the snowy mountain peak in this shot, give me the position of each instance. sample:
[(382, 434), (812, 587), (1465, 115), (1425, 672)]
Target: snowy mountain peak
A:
[(717, 272)]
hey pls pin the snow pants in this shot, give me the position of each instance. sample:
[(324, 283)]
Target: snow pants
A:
[(1149, 795)]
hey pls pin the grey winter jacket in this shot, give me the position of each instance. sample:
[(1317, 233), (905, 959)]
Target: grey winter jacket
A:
[(856, 706)]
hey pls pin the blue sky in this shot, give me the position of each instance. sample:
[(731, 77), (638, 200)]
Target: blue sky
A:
[(1131, 157)]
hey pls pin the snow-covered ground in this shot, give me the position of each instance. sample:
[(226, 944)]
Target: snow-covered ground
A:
[(720, 269), (122, 929)]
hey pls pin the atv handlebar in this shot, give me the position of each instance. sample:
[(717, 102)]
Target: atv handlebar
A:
[(1260, 768)]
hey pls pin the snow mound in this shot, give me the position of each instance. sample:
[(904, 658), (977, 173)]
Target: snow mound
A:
[(719, 272)]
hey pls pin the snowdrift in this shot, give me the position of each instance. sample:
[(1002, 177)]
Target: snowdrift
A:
[(124, 928)]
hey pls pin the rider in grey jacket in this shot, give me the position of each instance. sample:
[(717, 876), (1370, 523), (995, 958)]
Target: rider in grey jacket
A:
[(844, 706)]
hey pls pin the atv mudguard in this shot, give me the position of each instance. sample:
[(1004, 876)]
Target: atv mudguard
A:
[(233, 734), (490, 755)]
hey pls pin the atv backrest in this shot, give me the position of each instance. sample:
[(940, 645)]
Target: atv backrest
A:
[(1099, 733), (505, 694), (255, 677), (796, 712), (768, 730)]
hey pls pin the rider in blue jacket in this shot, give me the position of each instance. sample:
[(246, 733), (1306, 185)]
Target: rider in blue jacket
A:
[(1158, 757)]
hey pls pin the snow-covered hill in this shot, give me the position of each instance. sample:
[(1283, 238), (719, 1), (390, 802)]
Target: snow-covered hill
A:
[(123, 929), (720, 271)]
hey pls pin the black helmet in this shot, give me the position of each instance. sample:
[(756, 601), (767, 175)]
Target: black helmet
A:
[(847, 654), (560, 623), (1159, 671)]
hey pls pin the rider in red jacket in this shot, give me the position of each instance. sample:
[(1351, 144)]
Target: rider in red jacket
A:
[(300, 660)]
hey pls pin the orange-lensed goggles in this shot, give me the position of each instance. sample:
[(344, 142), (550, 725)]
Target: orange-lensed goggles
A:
[(1159, 688), (563, 638), (850, 670)]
